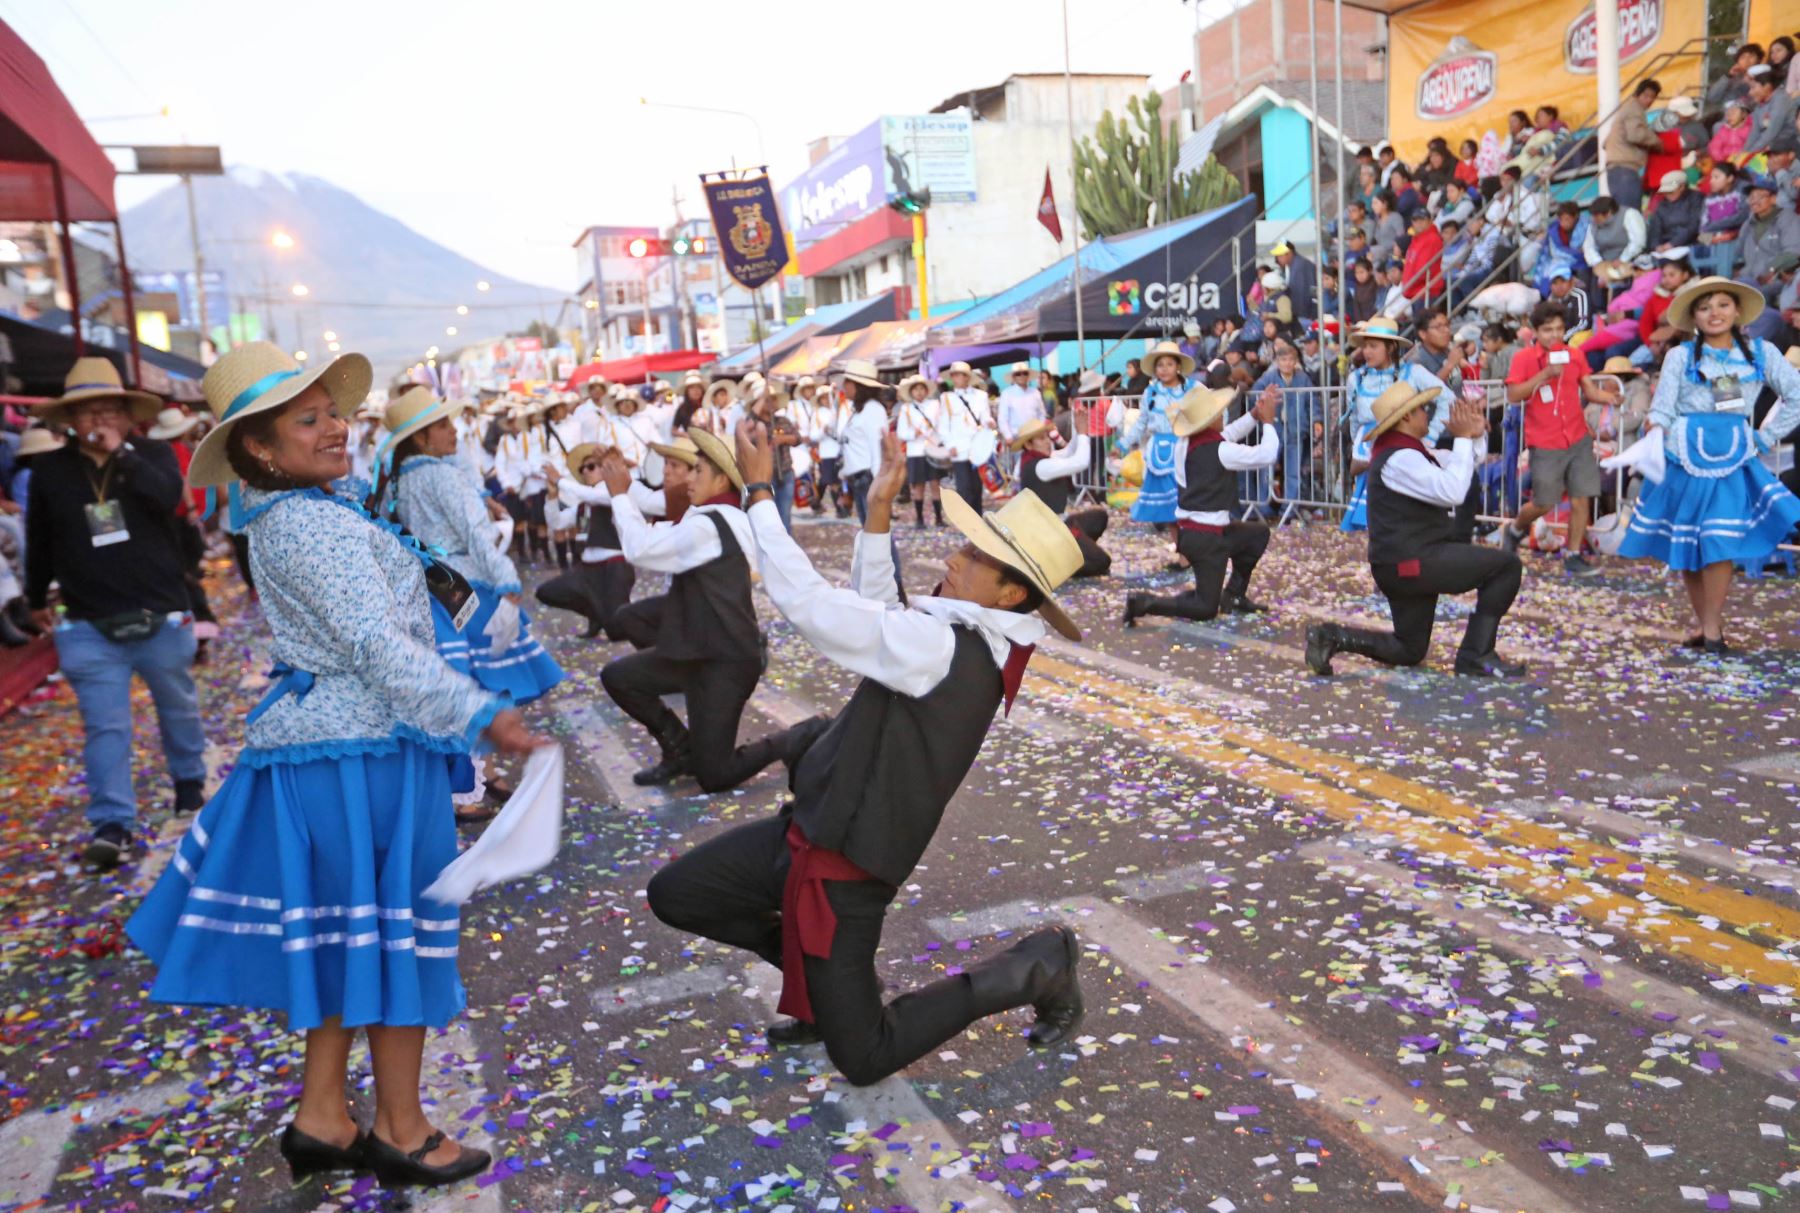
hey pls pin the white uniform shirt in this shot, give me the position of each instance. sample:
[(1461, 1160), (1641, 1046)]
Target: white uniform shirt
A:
[(919, 424), (1066, 462), (1019, 405), (519, 462), (865, 629), (677, 547), (1445, 483), (828, 428), (964, 413), (562, 509), (586, 417), (862, 439), (1234, 456)]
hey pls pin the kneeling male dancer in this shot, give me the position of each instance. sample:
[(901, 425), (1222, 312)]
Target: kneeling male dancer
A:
[(1412, 496), (808, 889)]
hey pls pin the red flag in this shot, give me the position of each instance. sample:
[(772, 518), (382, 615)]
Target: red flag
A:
[(1047, 210)]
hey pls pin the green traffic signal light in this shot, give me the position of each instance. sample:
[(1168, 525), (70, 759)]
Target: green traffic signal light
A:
[(679, 246)]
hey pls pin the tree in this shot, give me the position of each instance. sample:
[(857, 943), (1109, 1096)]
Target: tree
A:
[(1126, 172)]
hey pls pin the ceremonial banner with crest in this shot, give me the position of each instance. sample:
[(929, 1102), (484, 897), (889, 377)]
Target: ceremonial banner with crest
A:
[(747, 225)]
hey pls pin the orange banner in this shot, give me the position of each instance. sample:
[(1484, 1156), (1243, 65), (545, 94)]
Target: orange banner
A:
[(1458, 67)]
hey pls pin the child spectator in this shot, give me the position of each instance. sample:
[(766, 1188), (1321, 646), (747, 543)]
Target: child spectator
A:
[(1732, 132)]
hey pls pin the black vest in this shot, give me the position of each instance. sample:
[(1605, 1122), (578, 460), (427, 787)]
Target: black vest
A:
[(1053, 493), (1401, 527), (875, 786), (708, 613), (1210, 488), (601, 533)]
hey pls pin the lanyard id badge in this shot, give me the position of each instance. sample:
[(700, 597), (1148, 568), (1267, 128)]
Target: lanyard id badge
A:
[(1727, 393), (106, 523)]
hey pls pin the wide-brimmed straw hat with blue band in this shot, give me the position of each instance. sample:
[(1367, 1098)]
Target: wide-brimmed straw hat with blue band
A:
[(260, 376), (408, 413)]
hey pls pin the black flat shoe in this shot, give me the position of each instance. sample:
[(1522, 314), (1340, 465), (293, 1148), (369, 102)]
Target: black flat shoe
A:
[(395, 1169), (1696, 641), (1237, 604), (1061, 1009), (307, 1155), (671, 768), (791, 1034), (1716, 648), (1134, 608), (1489, 665)]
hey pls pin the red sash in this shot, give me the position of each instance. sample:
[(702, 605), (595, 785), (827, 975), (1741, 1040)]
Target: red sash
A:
[(1205, 528), (1205, 436), (732, 498), (808, 923)]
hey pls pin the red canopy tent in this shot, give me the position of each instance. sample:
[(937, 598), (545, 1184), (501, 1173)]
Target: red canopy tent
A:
[(640, 368), (52, 168)]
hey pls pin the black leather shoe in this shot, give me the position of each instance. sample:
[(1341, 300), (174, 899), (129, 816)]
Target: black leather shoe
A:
[(791, 1034), (1321, 644), (108, 846), (1237, 604), (1134, 608), (1489, 665), (1717, 648), (307, 1155), (1060, 1009), (395, 1169), (190, 795), (672, 767), (1696, 642)]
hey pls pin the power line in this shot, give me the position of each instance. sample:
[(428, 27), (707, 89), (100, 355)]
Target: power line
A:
[(107, 51)]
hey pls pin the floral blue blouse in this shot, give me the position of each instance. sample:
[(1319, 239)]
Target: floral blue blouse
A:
[(354, 641), (436, 503), (1683, 389), (1156, 411)]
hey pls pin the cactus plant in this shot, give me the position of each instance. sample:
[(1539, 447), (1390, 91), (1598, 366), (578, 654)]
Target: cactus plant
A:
[(1123, 174)]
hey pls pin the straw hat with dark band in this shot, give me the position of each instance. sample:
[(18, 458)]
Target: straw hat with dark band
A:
[(256, 378), (1395, 403), (861, 370), (1681, 308), (1027, 537), (95, 378), (682, 450), (718, 454), (584, 452), (1199, 408)]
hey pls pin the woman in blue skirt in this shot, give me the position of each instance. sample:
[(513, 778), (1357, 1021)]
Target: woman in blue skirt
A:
[(1154, 430), (300, 886), (1716, 504)]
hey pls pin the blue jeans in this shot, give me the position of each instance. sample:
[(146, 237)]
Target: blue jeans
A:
[(784, 499), (100, 672), (1626, 185)]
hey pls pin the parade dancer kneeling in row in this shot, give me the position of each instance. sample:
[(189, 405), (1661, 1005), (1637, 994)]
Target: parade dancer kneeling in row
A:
[(1048, 475), (708, 647), (808, 889), (600, 581), (1412, 496), (1207, 534)]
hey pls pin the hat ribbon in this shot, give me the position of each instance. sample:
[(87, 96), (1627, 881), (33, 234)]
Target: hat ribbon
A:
[(87, 387), (385, 457), (256, 391)]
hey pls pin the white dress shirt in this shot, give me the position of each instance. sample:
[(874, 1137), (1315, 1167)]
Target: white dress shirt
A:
[(828, 428), (1066, 462), (965, 413), (908, 649), (919, 424), (1019, 405), (680, 546), (587, 421), (1446, 484), (862, 439), (1235, 455), (563, 507)]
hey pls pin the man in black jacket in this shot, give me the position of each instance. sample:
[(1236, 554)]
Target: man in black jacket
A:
[(1675, 219), (101, 524), (808, 889)]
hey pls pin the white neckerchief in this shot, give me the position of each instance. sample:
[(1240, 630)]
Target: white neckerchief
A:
[(1001, 629)]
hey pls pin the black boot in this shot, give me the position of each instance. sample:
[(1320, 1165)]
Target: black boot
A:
[(791, 1034), (19, 611), (1040, 971), (10, 635), (562, 555), (190, 795), (937, 508), (594, 627), (1323, 641), (676, 757), (1477, 657), (1136, 607), (1238, 604), (919, 514)]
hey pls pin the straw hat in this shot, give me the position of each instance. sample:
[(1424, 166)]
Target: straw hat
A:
[(581, 454), (411, 411), (1018, 368), (1200, 408), (806, 381), (906, 384), (96, 378), (960, 368), (682, 450), (1395, 403), (713, 447), (1619, 366), (39, 441), (1378, 328), (171, 424), (1030, 430), (257, 377), (861, 370), (1156, 351), (693, 377), (1749, 301), (716, 385), (1028, 538)]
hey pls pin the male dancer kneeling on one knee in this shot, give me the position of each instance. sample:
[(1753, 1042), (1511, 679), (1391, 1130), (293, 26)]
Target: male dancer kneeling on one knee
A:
[(1048, 475), (808, 889), (601, 579), (1207, 535), (708, 647), (1412, 492)]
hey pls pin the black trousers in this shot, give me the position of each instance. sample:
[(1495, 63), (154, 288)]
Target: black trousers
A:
[(716, 693), (637, 623), (1087, 526), (728, 889), (596, 591), (1241, 546), (1412, 594), (968, 483)]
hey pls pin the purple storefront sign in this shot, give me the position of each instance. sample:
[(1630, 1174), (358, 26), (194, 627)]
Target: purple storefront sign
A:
[(847, 184)]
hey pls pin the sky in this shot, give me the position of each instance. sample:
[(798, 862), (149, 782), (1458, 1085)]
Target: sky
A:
[(503, 130)]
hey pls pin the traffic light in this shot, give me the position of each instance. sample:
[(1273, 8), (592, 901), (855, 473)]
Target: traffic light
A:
[(689, 246), (913, 202), (647, 246)]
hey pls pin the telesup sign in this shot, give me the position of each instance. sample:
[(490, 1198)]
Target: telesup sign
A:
[(1462, 79), (1640, 25)]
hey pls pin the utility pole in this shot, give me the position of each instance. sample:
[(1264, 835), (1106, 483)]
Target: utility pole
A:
[(690, 334), (187, 183), (1074, 191)]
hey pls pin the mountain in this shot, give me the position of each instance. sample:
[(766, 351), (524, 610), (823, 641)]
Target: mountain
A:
[(385, 289)]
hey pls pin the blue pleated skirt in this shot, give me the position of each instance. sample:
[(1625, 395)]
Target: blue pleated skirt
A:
[(1689, 522), (524, 671), (299, 888), (1356, 515), (1157, 496)]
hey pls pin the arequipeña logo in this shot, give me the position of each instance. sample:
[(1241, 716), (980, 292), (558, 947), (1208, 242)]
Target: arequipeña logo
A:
[(1463, 78), (1640, 25)]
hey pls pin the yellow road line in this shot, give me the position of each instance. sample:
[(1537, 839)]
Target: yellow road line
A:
[(1530, 877)]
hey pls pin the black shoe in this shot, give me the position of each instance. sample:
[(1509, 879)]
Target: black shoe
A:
[(1040, 971), (1696, 642), (1135, 608), (1510, 539), (1321, 644), (1061, 1008), (307, 1155), (594, 628), (1476, 656), (1489, 665), (791, 1034), (1237, 604), (190, 794), (672, 767), (19, 611), (395, 1169), (1578, 566), (1717, 648), (498, 791), (108, 847), (10, 635)]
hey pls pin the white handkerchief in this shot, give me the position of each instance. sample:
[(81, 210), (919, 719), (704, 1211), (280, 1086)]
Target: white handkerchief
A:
[(522, 839), (503, 533), (502, 627), (1646, 455)]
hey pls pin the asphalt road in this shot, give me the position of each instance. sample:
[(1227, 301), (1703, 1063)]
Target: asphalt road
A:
[(1389, 941)]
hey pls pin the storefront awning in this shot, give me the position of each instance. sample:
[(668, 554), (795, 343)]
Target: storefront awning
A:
[(826, 321), (39, 132), (638, 369)]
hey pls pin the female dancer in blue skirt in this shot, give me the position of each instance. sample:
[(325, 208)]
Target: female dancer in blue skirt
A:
[(1717, 503), (1381, 345), (300, 886), (1172, 373)]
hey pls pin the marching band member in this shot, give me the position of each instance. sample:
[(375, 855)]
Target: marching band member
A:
[(808, 889), (830, 416), (862, 436), (519, 465), (1208, 536), (967, 416), (1048, 475), (918, 418), (708, 647), (1020, 403), (1413, 553)]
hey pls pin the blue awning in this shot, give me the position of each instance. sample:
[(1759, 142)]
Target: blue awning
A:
[(825, 321)]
